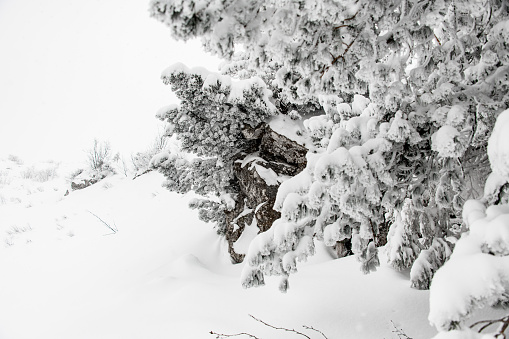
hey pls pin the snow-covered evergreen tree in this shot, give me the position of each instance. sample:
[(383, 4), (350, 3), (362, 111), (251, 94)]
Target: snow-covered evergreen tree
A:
[(410, 91)]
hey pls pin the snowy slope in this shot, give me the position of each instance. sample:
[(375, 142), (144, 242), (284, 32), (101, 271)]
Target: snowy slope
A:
[(165, 274)]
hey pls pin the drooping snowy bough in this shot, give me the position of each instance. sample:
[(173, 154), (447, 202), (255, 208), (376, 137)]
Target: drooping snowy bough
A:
[(208, 124)]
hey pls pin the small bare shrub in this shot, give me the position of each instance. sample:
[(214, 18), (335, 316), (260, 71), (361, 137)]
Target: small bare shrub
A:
[(99, 156), (45, 174), (28, 173), (4, 178), (15, 159)]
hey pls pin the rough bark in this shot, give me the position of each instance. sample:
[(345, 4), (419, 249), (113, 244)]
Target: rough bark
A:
[(278, 153)]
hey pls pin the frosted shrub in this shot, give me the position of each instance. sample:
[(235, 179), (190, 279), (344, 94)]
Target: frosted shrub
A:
[(40, 175), (99, 156), (141, 160), (15, 159), (46, 174), (28, 173)]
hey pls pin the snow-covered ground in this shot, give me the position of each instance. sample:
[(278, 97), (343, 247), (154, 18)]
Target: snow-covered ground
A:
[(165, 274)]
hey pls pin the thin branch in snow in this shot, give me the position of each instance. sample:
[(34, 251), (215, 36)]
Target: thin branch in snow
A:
[(222, 335), (114, 230), (314, 329), (399, 332), (504, 324), (279, 328)]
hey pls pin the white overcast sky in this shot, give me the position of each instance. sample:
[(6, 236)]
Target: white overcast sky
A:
[(74, 70)]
